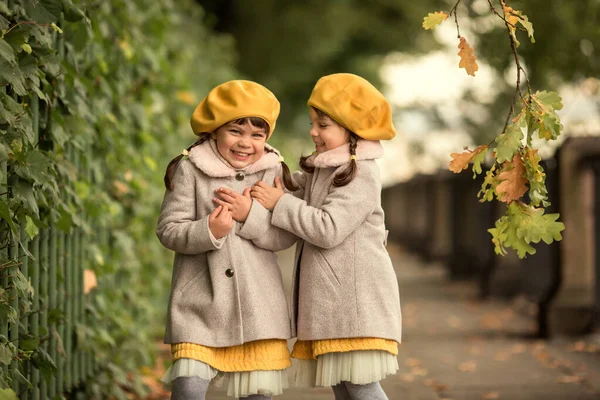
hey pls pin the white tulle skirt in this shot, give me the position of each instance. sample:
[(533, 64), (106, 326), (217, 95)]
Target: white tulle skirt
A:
[(359, 367), (239, 384)]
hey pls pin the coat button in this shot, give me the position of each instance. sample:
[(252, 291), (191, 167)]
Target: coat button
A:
[(229, 273), (239, 176)]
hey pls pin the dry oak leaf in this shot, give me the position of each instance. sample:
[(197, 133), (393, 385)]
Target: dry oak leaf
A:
[(461, 161), (512, 183), (467, 57)]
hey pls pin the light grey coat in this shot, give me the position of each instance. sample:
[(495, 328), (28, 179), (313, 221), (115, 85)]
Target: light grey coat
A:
[(208, 304), (344, 282)]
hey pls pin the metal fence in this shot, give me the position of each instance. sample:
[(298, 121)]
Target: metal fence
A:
[(53, 262)]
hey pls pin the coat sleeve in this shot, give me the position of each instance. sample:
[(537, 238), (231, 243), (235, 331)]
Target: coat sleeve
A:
[(178, 229), (258, 229), (342, 212)]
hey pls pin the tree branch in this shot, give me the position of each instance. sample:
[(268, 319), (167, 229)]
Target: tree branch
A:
[(453, 10)]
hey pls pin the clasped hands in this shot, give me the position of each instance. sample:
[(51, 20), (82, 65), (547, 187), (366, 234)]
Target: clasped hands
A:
[(233, 206)]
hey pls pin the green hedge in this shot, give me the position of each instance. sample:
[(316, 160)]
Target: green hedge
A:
[(97, 98)]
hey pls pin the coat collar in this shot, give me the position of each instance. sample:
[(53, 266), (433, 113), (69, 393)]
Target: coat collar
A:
[(207, 158), (365, 150)]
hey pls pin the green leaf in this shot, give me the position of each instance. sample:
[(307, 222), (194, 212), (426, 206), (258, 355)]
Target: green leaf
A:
[(477, 160), (508, 143), (550, 100), (42, 361), (4, 9), (13, 76), (6, 355), (23, 191), (528, 27), (7, 52), (43, 11), (534, 226), (30, 228), (56, 28), (8, 394), (29, 342), (26, 48), (6, 215)]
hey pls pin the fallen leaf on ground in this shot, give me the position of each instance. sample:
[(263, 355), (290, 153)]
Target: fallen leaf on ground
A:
[(467, 366), (491, 395), (413, 362), (419, 371), (569, 379), (454, 322), (518, 349), (435, 385)]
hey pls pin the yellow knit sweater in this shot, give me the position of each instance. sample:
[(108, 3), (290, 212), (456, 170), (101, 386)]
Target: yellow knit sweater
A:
[(310, 349), (270, 354)]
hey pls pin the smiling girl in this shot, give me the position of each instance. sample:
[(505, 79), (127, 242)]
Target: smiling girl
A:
[(345, 298), (227, 310)]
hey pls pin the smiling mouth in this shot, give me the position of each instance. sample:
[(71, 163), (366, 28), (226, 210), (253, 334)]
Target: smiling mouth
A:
[(319, 144), (240, 154)]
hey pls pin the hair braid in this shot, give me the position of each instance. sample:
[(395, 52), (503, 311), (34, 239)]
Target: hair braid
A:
[(346, 176), (172, 167), (288, 182)]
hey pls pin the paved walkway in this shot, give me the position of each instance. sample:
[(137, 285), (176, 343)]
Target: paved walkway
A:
[(455, 347)]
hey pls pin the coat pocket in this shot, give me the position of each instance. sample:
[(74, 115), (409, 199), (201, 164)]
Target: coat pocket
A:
[(186, 286), (327, 269)]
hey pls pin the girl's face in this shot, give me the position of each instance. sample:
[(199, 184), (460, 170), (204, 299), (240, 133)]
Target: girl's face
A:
[(240, 145), (326, 133)]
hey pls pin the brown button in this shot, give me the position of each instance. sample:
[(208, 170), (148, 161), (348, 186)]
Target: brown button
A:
[(239, 176), (229, 273)]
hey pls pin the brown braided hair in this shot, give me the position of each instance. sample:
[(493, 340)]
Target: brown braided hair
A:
[(254, 121), (288, 182), (346, 176)]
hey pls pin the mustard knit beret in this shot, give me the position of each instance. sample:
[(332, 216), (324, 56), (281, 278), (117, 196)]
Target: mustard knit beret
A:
[(355, 104), (232, 100)]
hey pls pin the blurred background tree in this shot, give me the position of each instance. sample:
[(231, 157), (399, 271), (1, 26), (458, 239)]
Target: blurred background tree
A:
[(287, 45)]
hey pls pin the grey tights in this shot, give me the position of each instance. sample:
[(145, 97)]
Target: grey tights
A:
[(194, 388), (350, 391)]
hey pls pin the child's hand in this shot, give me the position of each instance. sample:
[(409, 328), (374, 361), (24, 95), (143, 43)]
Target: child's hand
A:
[(220, 222), (267, 195), (238, 204)]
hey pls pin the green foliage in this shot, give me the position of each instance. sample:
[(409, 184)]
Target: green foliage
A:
[(115, 83)]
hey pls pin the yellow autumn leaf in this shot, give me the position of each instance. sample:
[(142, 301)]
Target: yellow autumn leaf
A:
[(186, 97), (468, 60), (461, 161), (534, 160), (89, 280), (514, 17), (434, 19), (512, 182)]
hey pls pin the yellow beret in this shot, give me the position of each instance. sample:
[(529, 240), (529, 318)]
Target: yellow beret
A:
[(232, 100), (355, 104)]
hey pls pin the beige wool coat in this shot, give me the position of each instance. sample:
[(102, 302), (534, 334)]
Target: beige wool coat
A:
[(344, 282), (229, 291)]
